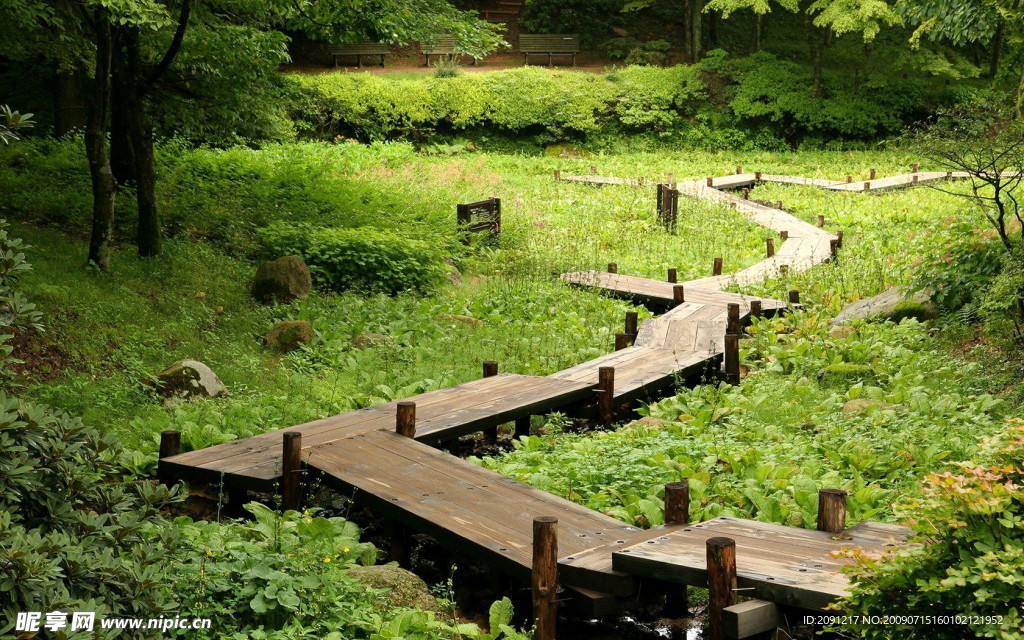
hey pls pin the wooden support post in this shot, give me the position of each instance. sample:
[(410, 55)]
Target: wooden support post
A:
[(913, 168), (949, 174), (778, 205), (613, 267), (872, 174), (606, 395), (678, 295), (769, 247), (170, 444), (739, 170), (746, 193), (558, 174), (710, 182), (821, 221), (913, 178), (839, 238), (733, 318), (631, 323), (673, 276), (721, 563), (831, 510), (490, 368), (399, 547), (755, 308), (677, 503), (593, 169), (784, 234), (757, 176), (545, 577), (621, 341), (867, 186), (291, 471), (405, 419), (833, 247), (716, 267), (849, 179), (794, 297), (523, 427), (732, 359)]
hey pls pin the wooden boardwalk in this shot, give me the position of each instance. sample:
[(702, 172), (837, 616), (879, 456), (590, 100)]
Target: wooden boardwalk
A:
[(490, 517)]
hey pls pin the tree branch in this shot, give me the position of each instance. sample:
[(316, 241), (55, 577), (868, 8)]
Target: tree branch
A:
[(172, 51)]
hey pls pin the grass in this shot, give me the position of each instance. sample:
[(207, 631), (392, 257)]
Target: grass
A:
[(108, 335)]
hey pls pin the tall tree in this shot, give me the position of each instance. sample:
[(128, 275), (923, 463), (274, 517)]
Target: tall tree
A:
[(127, 48)]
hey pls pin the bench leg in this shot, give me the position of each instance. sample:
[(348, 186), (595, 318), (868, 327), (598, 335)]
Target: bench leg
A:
[(382, 60), (574, 60), (427, 56), (359, 60), (549, 60)]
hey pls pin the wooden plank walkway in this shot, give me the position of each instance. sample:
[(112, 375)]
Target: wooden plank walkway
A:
[(490, 516), (787, 565), (898, 181), (445, 414)]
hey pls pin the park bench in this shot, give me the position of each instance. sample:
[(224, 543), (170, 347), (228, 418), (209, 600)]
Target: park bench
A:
[(552, 44), (358, 50), (444, 46)]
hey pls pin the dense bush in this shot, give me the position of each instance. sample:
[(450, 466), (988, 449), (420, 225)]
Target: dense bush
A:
[(364, 259), (528, 101), (971, 563)]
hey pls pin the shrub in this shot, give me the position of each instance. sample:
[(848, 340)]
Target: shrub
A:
[(846, 374), (971, 561), (363, 258)]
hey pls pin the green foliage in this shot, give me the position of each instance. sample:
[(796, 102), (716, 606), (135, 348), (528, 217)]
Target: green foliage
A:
[(592, 19), (970, 565), (846, 374), (12, 121), (364, 259), (911, 309), (762, 450)]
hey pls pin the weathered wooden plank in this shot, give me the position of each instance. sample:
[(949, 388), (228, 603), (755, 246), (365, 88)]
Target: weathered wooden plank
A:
[(751, 618)]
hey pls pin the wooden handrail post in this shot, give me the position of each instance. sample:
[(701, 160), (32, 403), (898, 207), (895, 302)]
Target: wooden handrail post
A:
[(914, 168), (631, 323), (757, 176), (291, 471), (872, 174), (716, 267), (831, 510), (733, 315), (606, 395), (769, 245), (678, 295), (710, 182), (621, 341), (613, 267), (721, 562), (755, 308), (558, 174), (833, 247), (490, 368), (867, 186), (821, 221), (732, 359), (849, 179), (839, 238), (677, 502), (673, 275), (746, 193), (914, 178), (405, 419), (778, 205), (794, 297), (523, 426), (739, 170), (784, 234), (544, 580)]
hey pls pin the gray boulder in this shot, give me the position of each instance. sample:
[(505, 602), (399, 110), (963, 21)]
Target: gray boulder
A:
[(282, 280), (881, 305), (289, 335), (190, 379)]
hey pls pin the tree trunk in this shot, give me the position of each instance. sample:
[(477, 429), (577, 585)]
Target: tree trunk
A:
[(122, 159), (997, 50), (1020, 93), (103, 184), (69, 107), (140, 132), (819, 40), (688, 30), (713, 30), (755, 34), (696, 19)]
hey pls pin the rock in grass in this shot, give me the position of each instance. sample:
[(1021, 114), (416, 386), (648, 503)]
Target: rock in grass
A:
[(846, 374), (404, 588), (466, 320), (884, 304), (289, 335), (912, 309), (189, 379), (367, 340), (282, 280), (842, 333), (863, 405)]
